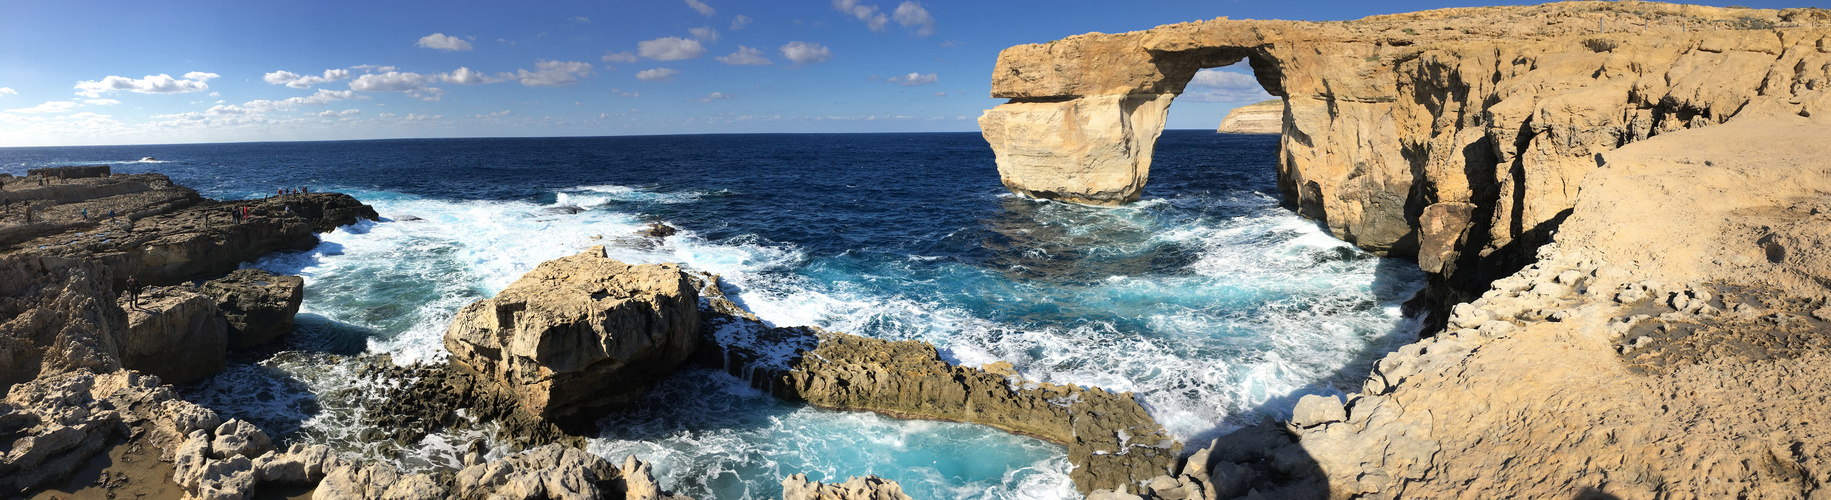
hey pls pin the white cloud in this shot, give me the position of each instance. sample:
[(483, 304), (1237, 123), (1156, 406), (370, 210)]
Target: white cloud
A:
[(580, 19), (392, 81), (47, 107), (739, 22), (101, 102), (745, 56), (1223, 79), (657, 75), (621, 93), (867, 13), (620, 57), (336, 114), (467, 76), (670, 49), (911, 14), (704, 33), (320, 98), (806, 53), (704, 10), (441, 41), (1214, 85), (940, 94), (152, 84), (554, 73), (715, 96), (8, 91), (296, 81), (913, 79), (229, 109)]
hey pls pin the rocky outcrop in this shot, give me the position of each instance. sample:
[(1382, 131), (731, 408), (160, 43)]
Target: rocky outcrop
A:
[(163, 233), (61, 274), (257, 305), (1498, 112), (58, 424), (176, 334), (797, 487), (579, 334), (1111, 439), (1259, 118), (71, 172), (559, 472), (57, 315), (1672, 342)]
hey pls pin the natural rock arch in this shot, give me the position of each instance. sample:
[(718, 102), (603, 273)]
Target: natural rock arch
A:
[(1458, 136)]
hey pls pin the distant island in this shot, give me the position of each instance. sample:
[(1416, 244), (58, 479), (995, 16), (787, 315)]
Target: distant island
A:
[(1257, 118)]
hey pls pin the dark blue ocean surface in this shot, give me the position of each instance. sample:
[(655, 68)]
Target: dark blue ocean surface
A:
[(1206, 299)]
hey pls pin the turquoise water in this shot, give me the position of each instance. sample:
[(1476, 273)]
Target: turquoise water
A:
[(1207, 300)]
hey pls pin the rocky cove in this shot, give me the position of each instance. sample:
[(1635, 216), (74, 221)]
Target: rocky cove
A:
[(1635, 343)]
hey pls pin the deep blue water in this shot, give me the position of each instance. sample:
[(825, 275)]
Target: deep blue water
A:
[(1206, 299)]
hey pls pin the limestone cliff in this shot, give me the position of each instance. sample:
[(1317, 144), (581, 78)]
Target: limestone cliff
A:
[(1258, 118), (61, 272), (1456, 135)]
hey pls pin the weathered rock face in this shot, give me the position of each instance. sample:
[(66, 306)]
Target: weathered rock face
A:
[(57, 315), (175, 334), (1261, 118), (1111, 439), (797, 487), (61, 273), (579, 334), (258, 305), (1094, 150), (1499, 111), (1671, 343), (559, 472)]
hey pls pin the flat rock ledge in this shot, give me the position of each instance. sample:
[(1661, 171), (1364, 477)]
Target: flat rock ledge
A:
[(1111, 439)]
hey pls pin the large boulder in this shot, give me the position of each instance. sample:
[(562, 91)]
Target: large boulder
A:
[(257, 304), (579, 335), (176, 334)]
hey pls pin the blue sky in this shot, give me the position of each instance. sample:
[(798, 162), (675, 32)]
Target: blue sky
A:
[(227, 71)]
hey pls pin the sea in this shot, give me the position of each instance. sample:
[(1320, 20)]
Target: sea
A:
[(1209, 301)]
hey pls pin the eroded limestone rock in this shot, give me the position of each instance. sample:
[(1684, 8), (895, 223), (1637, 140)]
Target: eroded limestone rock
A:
[(175, 333), (1494, 115), (257, 305), (1111, 439), (797, 487), (579, 334)]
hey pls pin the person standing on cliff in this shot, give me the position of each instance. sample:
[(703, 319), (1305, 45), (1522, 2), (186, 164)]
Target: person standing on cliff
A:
[(133, 292)]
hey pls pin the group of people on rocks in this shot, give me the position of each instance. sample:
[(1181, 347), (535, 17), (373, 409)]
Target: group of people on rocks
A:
[(297, 190), (240, 214)]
